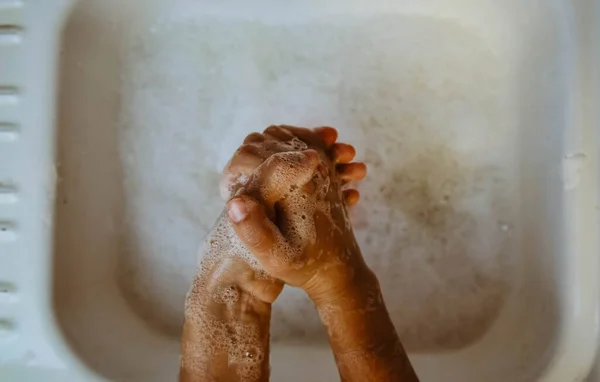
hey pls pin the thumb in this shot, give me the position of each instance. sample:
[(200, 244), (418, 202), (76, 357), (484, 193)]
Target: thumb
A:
[(257, 232)]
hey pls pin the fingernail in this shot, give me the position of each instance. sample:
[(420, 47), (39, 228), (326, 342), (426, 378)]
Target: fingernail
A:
[(237, 210)]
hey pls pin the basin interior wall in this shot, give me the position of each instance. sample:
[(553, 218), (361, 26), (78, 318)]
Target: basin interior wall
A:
[(461, 109)]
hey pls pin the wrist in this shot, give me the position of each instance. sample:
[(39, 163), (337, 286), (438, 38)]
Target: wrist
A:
[(226, 289), (355, 315), (345, 287), (226, 329)]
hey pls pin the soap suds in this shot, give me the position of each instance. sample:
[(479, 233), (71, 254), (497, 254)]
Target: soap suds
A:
[(434, 125), (240, 341)]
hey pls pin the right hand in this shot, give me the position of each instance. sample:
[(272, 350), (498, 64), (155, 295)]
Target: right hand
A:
[(311, 248)]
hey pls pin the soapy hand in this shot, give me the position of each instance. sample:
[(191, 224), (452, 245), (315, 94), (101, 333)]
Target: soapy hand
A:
[(267, 151), (305, 238), (227, 313)]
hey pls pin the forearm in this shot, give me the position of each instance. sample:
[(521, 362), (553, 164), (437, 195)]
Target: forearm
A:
[(226, 332), (364, 341)]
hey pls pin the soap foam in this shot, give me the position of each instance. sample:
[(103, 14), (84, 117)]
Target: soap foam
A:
[(239, 340)]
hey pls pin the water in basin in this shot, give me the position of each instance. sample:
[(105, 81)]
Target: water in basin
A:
[(436, 216)]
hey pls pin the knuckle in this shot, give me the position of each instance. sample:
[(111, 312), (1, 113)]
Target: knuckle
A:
[(255, 136), (246, 149), (271, 129), (257, 240)]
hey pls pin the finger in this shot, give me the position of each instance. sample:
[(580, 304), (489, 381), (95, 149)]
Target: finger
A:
[(247, 149), (351, 171), (351, 197), (258, 234), (278, 133), (307, 135), (343, 153), (283, 171), (328, 134), (254, 138), (245, 160)]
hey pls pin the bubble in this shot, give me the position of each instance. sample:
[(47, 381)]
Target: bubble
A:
[(504, 227), (249, 354)]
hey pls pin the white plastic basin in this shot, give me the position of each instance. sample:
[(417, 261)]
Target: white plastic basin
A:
[(478, 120)]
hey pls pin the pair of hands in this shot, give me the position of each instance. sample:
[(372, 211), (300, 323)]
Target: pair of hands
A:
[(286, 222), (287, 204)]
